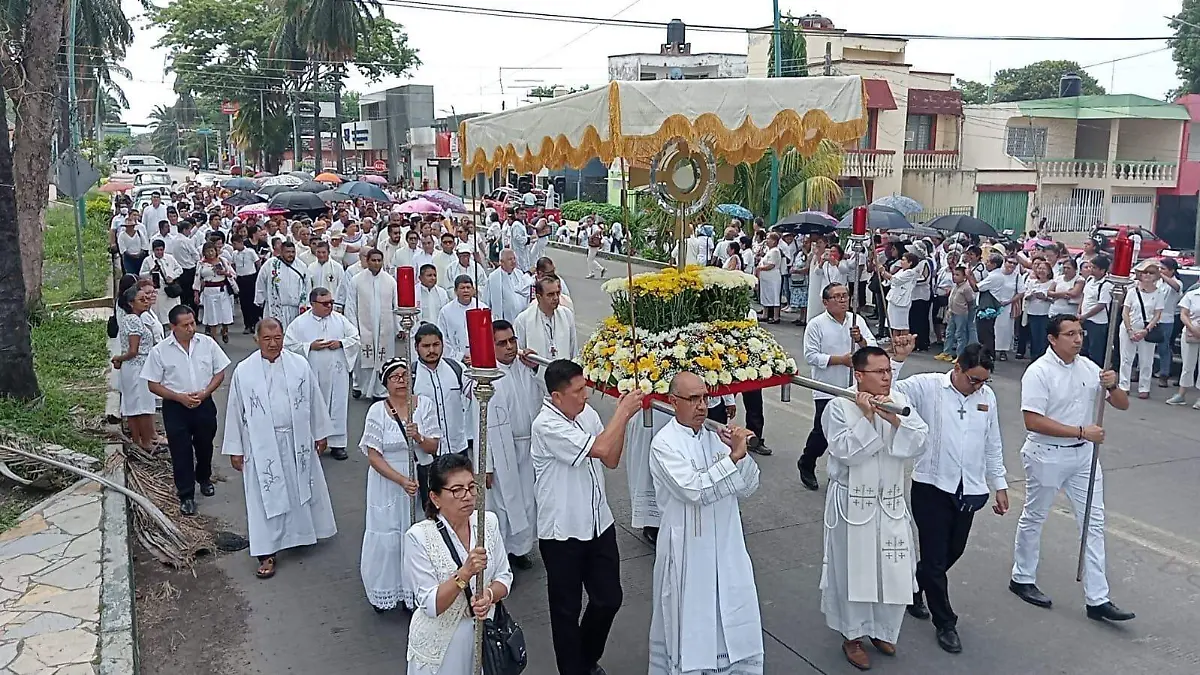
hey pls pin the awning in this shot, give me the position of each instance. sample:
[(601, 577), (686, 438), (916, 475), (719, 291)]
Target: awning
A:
[(879, 95), (935, 102)]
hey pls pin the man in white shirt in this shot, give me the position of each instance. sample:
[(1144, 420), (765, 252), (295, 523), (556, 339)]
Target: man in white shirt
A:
[(463, 266), (507, 291), (1094, 308), (184, 370), (545, 326), (962, 462), (424, 255), (155, 211), (699, 249), (443, 258), (617, 234), (431, 297), (282, 286), (830, 341), (245, 266), (577, 538), (721, 250), (452, 319), (441, 379), (1058, 400)]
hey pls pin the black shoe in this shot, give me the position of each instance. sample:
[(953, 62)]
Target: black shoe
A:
[(759, 447), (356, 394), (187, 507), (650, 533), (339, 454), (1108, 612), (521, 562), (208, 489), (808, 477), (948, 639), (1030, 593), (917, 609), (597, 670)]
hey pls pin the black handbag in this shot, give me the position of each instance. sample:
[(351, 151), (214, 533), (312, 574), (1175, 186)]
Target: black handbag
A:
[(503, 641), (1156, 334), (173, 289)]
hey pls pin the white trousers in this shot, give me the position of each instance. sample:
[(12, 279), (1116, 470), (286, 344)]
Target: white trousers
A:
[(593, 265), (1189, 351), (1144, 351), (1049, 469)]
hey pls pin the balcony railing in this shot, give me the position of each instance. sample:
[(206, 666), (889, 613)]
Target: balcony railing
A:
[(1074, 169), (931, 160), (1124, 172), (1131, 171), (867, 163)]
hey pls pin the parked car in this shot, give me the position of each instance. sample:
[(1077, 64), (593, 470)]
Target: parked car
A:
[(505, 198), (152, 179), (1152, 245), (136, 164)]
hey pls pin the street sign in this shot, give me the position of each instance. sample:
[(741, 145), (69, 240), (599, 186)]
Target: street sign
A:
[(74, 174), (229, 107), (205, 131), (379, 165)]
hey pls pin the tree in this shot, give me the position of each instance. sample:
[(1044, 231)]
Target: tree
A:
[(804, 182), (1037, 80), (973, 93), (350, 100), (1185, 48), (793, 47)]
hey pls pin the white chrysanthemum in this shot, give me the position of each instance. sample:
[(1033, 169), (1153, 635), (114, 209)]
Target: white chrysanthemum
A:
[(755, 345), (646, 386), (680, 351), (625, 385), (710, 378), (615, 285), (725, 377), (622, 354), (765, 371), (791, 364)]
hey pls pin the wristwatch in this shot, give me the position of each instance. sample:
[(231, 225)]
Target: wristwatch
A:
[(462, 585)]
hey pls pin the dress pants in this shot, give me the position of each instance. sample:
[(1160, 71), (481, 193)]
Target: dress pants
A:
[(250, 311), (1048, 470), (1144, 353), (942, 530), (816, 445), (190, 433), (1165, 351), (1094, 337), (185, 282), (572, 566), (753, 401), (918, 323), (987, 333)]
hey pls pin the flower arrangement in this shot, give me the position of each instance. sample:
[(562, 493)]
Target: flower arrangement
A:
[(723, 353), (660, 301)]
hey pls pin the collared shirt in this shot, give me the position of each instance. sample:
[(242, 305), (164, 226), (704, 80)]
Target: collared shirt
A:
[(825, 338), (184, 250), (963, 445), (443, 386), (184, 371), (1096, 292), (1063, 392), (571, 502)]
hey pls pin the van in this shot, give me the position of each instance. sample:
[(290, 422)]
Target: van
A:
[(136, 164)]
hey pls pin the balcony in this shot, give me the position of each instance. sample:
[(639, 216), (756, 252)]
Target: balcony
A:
[(1132, 173), (1119, 173), (931, 160), (867, 163)]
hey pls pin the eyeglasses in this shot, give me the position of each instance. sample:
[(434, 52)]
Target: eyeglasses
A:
[(692, 400), (323, 303), (839, 296), (977, 381), (461, 491)]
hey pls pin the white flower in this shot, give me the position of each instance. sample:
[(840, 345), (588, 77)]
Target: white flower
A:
[(765, 371), (662, 386), (680, 351), (791, 364), (725, 377), (755, 345), (710, 378), (646, 386), (625, 385)]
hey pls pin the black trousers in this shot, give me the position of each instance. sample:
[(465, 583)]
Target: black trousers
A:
[(918, 322), (754, 412), (185, 282), (816, 445), (1094, 337), (942, 531), (573, 566), (190, 433), (250, 311), (718, 414), (987, 333)]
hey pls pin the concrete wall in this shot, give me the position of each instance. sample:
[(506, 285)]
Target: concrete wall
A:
[(1189, 172), (924, 79), (983, 138), (1091, 139), (630, 67), (940, 190), (758, 51), (1154, 140)]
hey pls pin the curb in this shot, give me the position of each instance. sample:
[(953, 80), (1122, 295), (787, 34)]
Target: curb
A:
[(118, 651), (615, 257)]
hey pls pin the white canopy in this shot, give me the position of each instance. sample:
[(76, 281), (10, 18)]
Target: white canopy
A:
[(742, 117)]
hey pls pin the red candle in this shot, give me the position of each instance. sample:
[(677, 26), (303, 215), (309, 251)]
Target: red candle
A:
[(406, 287), (479, 338), (1122, 256), (859, 226)]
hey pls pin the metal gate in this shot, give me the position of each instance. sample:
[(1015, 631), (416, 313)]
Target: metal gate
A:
[(1004, 210)]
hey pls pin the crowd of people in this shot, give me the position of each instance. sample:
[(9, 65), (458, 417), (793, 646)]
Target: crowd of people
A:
[(321, 296)]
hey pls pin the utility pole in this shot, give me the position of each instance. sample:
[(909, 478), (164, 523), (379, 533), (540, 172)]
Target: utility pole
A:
[(828, 59), (777, 71), (338, 147), (73, 106), (297, 151)]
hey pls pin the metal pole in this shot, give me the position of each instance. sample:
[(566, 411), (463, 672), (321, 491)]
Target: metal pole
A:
[(407, 315), (777, 71), (1120, 286), (484, 389), (73, 105)]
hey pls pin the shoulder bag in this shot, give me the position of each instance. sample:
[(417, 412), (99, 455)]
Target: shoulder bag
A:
[(1156, 334), (503, 641)]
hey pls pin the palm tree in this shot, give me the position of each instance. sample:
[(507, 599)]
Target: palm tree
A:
[(804, 182), (793, 47), (164, 133)]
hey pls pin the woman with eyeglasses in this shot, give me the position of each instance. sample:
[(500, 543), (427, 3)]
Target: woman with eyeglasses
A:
[(390, 435), (442, 556), (1141, 313)]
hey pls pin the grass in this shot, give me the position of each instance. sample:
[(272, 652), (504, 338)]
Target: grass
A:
[(60, 274)]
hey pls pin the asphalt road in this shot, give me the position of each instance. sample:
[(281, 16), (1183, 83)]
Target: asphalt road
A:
[(313, 619)]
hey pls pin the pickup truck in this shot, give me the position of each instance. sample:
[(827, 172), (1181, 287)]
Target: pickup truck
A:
[(505, 198)]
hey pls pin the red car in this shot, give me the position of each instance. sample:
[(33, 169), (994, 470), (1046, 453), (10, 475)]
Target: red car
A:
[(505, 198), (1152, 246)]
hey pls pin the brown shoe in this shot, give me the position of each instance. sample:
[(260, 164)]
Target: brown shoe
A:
[(856, 655), (885, 648)]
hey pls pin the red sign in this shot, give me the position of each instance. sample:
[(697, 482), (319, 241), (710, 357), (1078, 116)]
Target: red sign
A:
[(229, 107), (443, 144), (379, 165)]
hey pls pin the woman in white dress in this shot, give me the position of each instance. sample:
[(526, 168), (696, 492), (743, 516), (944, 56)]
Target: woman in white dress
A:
[(899, 296), (1141, 313), (135, 339), (770, 279), (441, 635), (213, 276), (1067, 292), (390, 490), (1037, 303)]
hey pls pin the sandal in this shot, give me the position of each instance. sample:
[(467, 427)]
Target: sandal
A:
[(266, 569)]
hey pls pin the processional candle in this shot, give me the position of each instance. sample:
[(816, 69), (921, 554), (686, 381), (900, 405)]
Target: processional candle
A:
[(480, 340), (406, 287)]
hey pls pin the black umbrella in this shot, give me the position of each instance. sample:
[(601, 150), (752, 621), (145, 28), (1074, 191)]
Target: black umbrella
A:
[(311, 186), (919, 231), (364, 190), (330, 196), (961, 222), (272, 190), (297, 201), (239, 199), (301, 174), (239, 184), (878, 218), (806, 222)]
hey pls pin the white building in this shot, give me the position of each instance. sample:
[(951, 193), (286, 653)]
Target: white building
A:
[(675, 61)]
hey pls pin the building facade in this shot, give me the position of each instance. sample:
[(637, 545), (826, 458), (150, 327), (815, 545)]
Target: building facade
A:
[(675, 61)]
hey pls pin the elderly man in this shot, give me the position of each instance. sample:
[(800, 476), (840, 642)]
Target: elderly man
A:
[(452, 319), (371, 307), (276, 426), (463, 265), (282, 287), (545, 326), (324, 272), (705, 615), (443, 258), (545, 266), (330, 343), (507, 291)]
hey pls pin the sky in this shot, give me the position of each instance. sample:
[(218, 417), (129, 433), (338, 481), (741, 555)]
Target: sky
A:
[(476, 62)]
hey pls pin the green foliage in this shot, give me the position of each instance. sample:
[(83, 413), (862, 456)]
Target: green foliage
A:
[(350, 102), (577, 210), (1037, 80), (1185, 48), (795, 51), (70, 358), (60, 273), (804, 182)]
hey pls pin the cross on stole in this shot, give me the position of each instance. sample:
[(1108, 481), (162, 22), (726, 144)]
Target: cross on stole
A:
[(893, 495), (895, 549), (861, 496)]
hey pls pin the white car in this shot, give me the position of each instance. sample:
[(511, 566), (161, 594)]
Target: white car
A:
[(136, 164), (162, 179)]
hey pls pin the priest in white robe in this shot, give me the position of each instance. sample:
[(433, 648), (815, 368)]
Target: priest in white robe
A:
[(389, 242), (644, 513), (546, 326), (371, 307), (464, 266), (325, 272), (339, 298), (282, 286), (518, 240), (705, 618), (868, 574), (443, 258), (545, 266), (329, 341), (452, 319), (276, 427), (507, 292), (431, 297), (405, 256)]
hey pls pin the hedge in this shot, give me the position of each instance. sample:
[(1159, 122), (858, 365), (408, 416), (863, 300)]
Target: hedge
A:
[(577, 210)]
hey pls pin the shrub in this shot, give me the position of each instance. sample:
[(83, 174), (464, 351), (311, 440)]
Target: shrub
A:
[(577, 210)]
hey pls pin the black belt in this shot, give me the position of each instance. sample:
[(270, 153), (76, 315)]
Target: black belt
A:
[(1075, 445)]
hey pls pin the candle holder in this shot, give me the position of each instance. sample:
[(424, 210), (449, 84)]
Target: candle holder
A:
[(408, 316), (484, 390)]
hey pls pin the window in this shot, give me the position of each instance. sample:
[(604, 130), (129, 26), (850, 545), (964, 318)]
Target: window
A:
[(1025, 142), (918, 133), (1193, 148), (867, 142)]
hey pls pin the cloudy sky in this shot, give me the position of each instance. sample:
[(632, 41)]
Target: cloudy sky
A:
[(472, 59)]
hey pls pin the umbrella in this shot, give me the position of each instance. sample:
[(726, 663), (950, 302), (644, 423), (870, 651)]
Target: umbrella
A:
[(446, 200), (260, 209), (263, 174), (419, 206), (807, 222), (297, 201), (272, 190), (961, 222), (239, 184), (330, 196), (243, 199), (906, 205), (919, 231), (328, 178), (878, 218), (302, 175), (372, 178), (311, 186), (735, 211), (115, 187), (365, 190), (285, 180)]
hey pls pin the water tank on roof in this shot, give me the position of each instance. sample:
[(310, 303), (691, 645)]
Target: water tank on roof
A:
[(1070, 85), (676, 32)]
